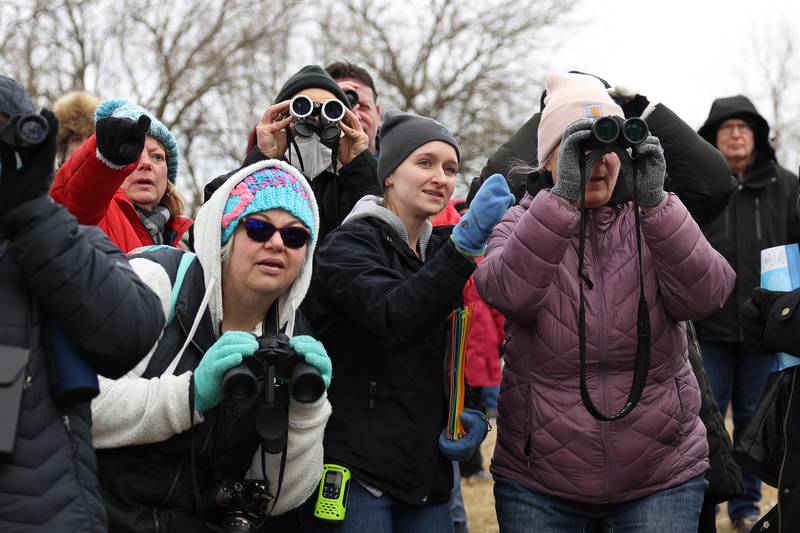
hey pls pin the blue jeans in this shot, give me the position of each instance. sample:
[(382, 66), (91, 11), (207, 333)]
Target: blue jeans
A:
[(457, 511), (737, 377), (365, 513), (673, 510)]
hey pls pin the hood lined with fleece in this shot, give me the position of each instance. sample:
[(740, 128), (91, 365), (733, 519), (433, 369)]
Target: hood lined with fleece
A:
[(372, 206), (208, 244)]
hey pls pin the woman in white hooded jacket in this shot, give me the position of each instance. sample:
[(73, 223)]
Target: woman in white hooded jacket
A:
[(167, 439)]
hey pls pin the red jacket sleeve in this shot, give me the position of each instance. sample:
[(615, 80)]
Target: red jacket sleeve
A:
[(85, 185)]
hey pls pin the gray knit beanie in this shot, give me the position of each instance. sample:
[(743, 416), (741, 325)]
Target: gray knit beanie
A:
[(402, 133)]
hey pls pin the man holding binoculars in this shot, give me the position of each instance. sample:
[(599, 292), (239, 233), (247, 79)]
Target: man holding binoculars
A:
[(63, 288)]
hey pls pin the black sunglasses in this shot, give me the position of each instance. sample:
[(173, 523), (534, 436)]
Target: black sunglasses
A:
[(262, 231)]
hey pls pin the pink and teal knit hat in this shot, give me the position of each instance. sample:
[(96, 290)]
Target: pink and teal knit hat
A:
[(267, 188)]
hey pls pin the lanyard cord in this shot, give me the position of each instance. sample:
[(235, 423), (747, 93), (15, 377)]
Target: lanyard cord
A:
[(642, 362)]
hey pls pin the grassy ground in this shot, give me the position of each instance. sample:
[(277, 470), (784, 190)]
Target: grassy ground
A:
[(479, 499)]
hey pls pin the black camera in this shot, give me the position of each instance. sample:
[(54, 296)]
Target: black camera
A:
[(243, 504), (273, 359), (352, 97), (312, 117), (617, 131), (24, 130)]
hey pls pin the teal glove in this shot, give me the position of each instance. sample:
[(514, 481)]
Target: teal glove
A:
[(224, 354), (487, 208), (462, 449), (315, 355)]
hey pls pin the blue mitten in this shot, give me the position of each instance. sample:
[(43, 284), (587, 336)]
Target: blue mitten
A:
[(487, 208), (462, 449), (224, 354), (315, 355)]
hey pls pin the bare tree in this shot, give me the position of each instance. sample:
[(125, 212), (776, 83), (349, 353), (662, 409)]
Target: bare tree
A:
[(772, 75), (206, 68), (476, 66)]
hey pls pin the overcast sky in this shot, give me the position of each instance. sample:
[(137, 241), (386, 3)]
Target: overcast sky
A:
[(680, 52)]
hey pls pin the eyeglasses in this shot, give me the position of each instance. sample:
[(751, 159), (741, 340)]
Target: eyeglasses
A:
[(262, 231), (743, 127)]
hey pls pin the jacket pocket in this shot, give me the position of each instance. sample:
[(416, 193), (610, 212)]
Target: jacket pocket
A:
[(681, 412), (528, 431)]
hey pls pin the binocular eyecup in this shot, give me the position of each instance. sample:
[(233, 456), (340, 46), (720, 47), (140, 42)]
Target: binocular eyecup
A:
[(616, 131), (312, 117), (352, 97), (24, 130)]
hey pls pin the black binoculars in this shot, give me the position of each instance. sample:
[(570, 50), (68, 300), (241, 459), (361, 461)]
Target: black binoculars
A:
[(312, 117), (617, 131), (305, 382), (276, 363), (24, 130)]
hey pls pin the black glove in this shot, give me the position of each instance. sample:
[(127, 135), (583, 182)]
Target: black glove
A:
[(755, 313), (121, 140), (633, 104), (33, 178)]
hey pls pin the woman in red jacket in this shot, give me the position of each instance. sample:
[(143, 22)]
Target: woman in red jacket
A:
[(122, 179)]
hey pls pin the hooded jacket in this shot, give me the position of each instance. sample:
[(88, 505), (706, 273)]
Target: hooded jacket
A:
[(548, 441), (143, 421), (90, 189), (761, 214), (382, 313)]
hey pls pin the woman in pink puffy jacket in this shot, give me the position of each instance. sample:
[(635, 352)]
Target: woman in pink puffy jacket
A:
[(558, 467)]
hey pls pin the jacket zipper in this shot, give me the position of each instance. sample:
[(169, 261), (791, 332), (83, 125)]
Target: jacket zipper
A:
[(373, 389), (604, 427), (785, 444), (758, 220), (75, 459)]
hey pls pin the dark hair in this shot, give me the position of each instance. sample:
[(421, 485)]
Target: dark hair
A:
[(346, 69)]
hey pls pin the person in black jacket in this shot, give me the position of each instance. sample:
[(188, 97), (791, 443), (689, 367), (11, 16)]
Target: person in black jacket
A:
[(384, 285), (340, 172), (761, 214), (56, 276), (771, 322)]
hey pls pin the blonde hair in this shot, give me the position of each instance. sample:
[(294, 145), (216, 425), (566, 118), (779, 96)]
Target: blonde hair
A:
[(173, 201)]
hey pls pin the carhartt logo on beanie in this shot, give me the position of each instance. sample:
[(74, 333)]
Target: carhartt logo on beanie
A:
[(268, 188), (571, 97)]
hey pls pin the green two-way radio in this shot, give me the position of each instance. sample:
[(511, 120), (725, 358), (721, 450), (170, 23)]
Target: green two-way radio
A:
[(333, 492)]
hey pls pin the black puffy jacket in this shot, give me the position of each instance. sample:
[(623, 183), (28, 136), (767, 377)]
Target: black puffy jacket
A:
[(52, 268), (382, 314)]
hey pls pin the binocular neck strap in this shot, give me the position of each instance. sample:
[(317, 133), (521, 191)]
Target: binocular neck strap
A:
[(271, 326), (642, 362), (292, 142)]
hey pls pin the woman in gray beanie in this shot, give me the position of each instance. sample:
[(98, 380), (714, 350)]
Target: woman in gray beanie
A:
[(385, 284)]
